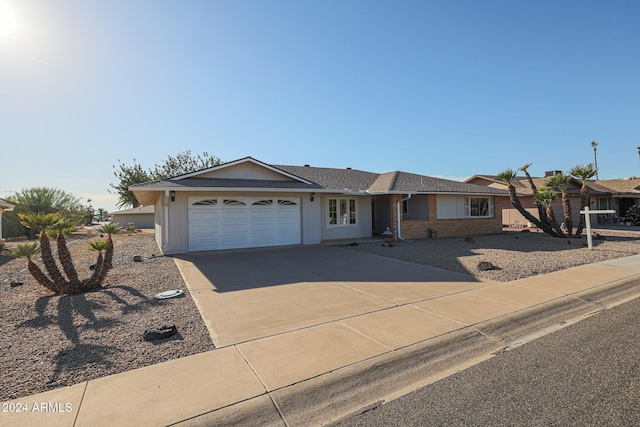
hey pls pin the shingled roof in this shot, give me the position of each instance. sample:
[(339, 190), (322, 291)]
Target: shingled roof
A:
[(618, 186), (320, 178), (390, 182), (351, 179), (523, 188)]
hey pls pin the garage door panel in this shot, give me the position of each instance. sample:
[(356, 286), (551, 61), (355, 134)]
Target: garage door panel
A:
[(229, 223)]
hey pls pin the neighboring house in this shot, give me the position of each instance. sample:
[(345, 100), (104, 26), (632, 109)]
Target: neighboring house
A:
[(248, 203), (142, 217), (617, 194), (4, 206)]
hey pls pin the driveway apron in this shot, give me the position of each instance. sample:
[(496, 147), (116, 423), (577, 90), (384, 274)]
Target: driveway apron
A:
[(249, 294)]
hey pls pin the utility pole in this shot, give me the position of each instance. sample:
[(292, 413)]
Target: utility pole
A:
[(595, 157)]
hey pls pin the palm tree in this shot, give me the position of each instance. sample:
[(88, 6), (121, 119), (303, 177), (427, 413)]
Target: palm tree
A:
[(28, 250), (595, 156), (559, 183), (541, 211), (101, 214), (508, 176), (583, 173), (545, 197)]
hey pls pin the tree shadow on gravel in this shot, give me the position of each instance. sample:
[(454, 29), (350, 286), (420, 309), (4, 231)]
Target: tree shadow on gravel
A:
[(78, 313), (5, 259)]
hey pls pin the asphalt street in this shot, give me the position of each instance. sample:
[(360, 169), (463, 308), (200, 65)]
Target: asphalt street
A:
[(583, 375)]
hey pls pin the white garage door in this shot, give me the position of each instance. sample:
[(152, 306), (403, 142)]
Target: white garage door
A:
[(237, 222)]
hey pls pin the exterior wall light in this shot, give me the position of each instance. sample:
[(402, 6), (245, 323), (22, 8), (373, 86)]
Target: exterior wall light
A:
[(313, 196), (173, 196)]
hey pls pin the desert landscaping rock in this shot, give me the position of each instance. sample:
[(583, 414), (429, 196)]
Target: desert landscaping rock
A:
[(160, 333), (518, 255), (486, 266), (51, 341)]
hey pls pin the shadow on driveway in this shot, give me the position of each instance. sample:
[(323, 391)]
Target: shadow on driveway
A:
[(240, 269), (250, 294)]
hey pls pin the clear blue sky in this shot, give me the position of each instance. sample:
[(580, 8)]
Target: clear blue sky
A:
[(441, 88)]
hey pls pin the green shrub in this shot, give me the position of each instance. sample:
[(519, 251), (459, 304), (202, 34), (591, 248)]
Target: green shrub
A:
[(633, 215), (11, 226)]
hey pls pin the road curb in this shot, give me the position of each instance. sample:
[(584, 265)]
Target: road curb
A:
[(348, 391)]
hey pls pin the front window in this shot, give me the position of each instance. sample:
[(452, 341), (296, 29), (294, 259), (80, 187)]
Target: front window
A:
[(342, 212), (479, 207), (605, 203)]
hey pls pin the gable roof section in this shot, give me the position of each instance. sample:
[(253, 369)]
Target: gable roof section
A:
[(237, 162)]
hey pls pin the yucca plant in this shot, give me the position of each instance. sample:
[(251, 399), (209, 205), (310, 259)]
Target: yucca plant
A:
[(100, 272), (42, 223), (545, 197), (559, 183), (28, 250), (109, 229), (541, 210), (56, 226), (507, 176), (584, 173), (59, 231)]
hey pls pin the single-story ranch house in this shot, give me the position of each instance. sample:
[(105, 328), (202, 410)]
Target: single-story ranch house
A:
[(248, 203), (616, 194), (141, 216)]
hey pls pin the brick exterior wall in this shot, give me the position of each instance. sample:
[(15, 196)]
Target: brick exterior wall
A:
[(419, 228)]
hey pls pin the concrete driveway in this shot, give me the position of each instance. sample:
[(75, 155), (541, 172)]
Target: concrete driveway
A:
[(248, 294)]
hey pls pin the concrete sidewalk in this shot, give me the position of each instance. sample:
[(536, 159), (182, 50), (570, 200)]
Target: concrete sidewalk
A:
[(324, 370)]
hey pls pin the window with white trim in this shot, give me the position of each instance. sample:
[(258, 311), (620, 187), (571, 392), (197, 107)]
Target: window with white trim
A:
[(342, 212), (479, 207)]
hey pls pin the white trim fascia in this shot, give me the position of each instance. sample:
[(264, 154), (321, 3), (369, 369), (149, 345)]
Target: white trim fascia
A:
[(446, 193), (470, 194), (239, 189), (240, 161)]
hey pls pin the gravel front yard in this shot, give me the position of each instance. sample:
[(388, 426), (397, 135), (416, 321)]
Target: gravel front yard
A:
[(49, 341), (516, 255)]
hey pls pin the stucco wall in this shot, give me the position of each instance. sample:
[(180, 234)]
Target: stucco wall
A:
[(361, 229), (140, 220)]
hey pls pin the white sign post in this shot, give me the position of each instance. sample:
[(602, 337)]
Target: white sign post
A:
[(587, 219)]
